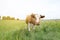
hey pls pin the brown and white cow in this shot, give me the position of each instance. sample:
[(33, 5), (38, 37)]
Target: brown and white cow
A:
[(33, 19)]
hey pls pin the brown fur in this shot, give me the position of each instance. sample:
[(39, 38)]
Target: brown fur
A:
[(31, 19)]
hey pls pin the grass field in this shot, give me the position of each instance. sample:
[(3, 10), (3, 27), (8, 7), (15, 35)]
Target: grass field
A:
[(15, 30)]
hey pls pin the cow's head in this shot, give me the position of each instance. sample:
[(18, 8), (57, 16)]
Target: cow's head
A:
[(37, 18)]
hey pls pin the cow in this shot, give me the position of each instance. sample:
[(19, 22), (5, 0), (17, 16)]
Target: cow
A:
[(33, 19)]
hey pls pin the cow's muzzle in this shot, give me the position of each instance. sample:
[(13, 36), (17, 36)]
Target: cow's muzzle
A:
[(37, 23)]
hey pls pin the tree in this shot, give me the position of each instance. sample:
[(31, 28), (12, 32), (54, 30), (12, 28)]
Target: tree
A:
[(17, 18), (12, 18), (8, 18), (4, 18)]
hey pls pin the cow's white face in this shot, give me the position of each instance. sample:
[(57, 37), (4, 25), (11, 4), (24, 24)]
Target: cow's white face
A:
[(37, 19)]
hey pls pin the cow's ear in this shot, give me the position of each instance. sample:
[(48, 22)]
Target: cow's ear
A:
[(33, 15), (41, 16)]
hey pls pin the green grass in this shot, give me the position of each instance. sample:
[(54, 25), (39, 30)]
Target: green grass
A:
[(15, 30)]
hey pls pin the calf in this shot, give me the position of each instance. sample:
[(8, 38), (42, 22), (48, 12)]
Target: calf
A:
[(33, 19)]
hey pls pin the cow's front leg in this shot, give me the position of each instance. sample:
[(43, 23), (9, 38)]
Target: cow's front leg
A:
[(29, 26), (33, 27)]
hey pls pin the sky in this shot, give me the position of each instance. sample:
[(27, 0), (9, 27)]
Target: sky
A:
[(21, 8)]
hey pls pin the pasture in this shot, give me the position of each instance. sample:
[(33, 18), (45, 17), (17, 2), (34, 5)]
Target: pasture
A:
[(16, 30)]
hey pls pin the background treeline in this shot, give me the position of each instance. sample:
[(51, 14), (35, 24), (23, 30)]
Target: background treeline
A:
[(8, 18)]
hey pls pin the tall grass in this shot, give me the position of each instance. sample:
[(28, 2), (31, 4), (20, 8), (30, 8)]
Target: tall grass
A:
[(14, 30)]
